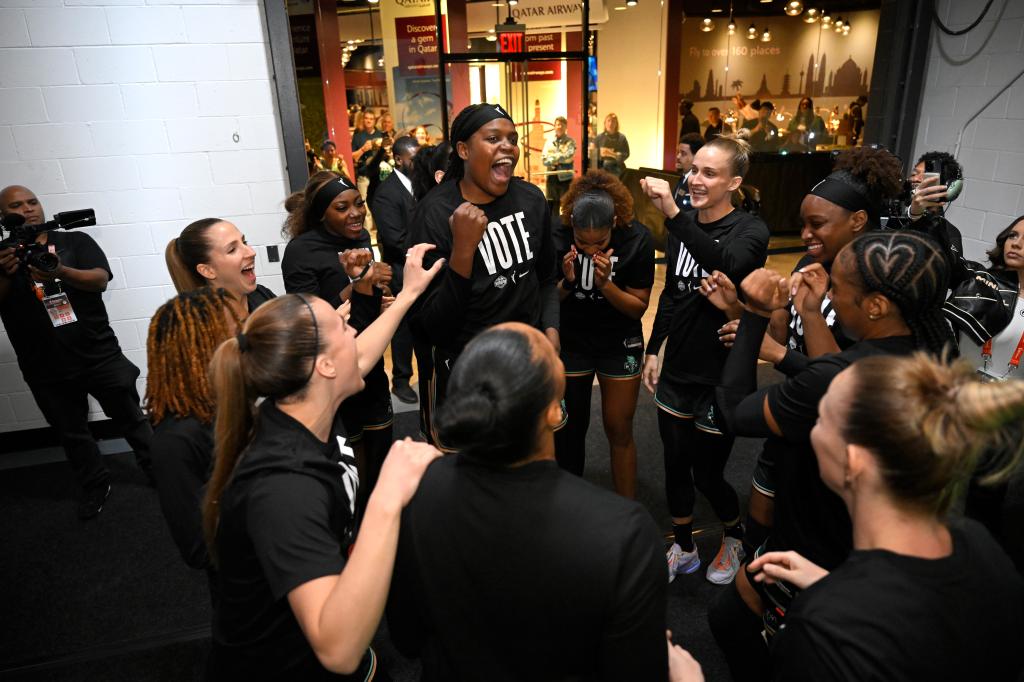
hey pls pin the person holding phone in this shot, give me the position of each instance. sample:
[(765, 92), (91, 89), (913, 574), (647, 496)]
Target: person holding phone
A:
[(937, 179)]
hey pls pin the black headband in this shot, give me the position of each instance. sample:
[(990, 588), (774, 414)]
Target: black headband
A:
[(842, 194), (484, 113), (324, 196), (316, 336)]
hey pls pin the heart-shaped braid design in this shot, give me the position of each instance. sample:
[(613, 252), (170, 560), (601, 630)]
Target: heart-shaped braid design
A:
[(910, 269)]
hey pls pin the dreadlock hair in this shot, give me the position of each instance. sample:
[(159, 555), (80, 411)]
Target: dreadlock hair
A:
[(298, 205), (186, 252), (876, 174), (183, 336), (596, 185), (911, 270), (281, 344), (927, 423)]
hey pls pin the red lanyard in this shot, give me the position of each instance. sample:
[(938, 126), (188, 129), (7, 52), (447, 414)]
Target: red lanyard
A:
[(1014, 363)]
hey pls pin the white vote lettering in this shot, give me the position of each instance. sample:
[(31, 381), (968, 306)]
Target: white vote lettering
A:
[(505, 243)]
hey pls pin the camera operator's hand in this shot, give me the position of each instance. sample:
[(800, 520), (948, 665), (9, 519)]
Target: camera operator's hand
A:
[(927, 196), (45, 275), (8, 262)]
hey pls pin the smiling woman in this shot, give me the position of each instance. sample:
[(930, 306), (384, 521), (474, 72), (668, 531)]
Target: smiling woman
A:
[(495, 231), (213, 252)]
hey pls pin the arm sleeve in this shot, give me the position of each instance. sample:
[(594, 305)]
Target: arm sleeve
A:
[(180, 479), (441, 315), (740, 404), (793, 362), (547, 274), (406, 625), (666, 302), (737, 258), (794, 402), (289, 523), (365, 309), (633, 644), (299, 275), (387, 215)]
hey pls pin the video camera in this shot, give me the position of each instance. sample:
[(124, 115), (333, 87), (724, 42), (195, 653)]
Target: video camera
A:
[(22, 237)]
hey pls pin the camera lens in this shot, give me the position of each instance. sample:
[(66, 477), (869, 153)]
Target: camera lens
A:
[(45, 261)]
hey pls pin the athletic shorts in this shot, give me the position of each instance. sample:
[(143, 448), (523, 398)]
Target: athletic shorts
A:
[(764, 472), (624, 365), (370, 409), (689, 401)]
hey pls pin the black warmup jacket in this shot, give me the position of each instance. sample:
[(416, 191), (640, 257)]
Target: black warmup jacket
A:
[(736, 244), (514, 269)]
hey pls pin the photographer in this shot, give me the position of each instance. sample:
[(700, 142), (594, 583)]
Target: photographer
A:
[(937, 179), (66, 349)]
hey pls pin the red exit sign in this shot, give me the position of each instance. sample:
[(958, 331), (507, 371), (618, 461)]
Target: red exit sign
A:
[(511, 42)]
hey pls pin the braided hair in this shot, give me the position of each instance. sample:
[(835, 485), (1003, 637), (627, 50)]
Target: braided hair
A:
[(183, 336), (911, 270)]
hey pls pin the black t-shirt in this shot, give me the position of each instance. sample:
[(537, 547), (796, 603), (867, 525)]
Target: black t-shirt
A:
[(795, 335), (527, 573), (587, 319), (47, 353), (885, 616), (258, 297), (286, 518), (810, 518), (736, 244), (514, 267), (182, 450)]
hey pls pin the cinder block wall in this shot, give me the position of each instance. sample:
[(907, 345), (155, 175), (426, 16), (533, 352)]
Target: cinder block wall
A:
[(152, 112), (965, 72)]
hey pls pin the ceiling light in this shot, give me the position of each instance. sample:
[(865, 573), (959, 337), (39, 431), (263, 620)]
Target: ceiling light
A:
[(839, 22), (732, 26), (826, 20), (794, 8), (751, 32), (493, 38), (706, 25), (766, 37), (717, 10), (812, 15), (630, 3), (846, 29), (513, 3)]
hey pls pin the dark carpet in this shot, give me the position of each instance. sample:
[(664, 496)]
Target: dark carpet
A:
[(111, 599)]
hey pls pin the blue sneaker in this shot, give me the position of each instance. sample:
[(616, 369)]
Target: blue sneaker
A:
[(680, 562)]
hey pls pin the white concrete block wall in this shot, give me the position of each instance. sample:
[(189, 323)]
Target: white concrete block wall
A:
[(963, 73), (152, 112)]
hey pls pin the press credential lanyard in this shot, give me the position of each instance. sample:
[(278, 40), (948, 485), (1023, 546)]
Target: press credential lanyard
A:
[(1014, 363)]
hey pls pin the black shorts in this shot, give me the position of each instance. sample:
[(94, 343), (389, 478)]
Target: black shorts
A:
[(623, 365), (764, 472), (689, 401), (370, 409)]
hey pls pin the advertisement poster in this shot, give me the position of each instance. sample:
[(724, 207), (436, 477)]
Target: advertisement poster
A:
[(417, 45), (541, 70)]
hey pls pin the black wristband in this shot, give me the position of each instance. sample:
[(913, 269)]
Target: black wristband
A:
[(362, 274)]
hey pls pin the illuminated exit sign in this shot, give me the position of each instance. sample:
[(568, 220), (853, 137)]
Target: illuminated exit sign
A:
[(511, 37)]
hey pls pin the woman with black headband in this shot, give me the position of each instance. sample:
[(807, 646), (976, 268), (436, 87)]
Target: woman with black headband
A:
[(714, 237), (607, 273), (299, 599), (495, 232), (845, 204), (330, 255), (887, 289)]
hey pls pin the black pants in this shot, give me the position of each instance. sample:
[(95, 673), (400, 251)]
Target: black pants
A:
[(737, 630), (555, 190), (65, 406), (696, 458), (571, 441), (401, 342)]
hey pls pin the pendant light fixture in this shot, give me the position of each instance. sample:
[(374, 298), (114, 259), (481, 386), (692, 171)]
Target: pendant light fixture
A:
[(794, 8)]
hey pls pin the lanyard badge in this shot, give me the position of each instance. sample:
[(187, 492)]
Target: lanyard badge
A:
[(1014, 363), (58, 307)]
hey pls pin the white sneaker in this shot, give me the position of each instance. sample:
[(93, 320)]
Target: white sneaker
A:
[(680, 562), (727, 562)]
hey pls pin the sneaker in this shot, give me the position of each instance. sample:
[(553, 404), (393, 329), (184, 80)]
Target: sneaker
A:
[(405, 393), (92, 501), (680, 562), (727, 562)]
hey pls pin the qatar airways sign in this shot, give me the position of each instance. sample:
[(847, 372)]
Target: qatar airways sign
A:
[(536, 14)]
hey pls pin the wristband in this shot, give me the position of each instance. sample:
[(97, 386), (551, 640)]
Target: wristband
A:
[(362, 274)]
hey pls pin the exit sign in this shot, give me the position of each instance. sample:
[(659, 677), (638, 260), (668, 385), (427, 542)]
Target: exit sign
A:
[(510, 42)]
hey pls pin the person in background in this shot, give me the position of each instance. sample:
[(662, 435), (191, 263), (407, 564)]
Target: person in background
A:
[(367, 141), (57, 323), (329, 159), (386, 125), (420, 133), (808, 124), (607, 262), (183, 336), (689, 123), (212, 252), (557, 158), (924, 595), (393, 204), (764, 134), (716, 125), (745, 112), (612, 147), (687, 148), (584, 598)]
